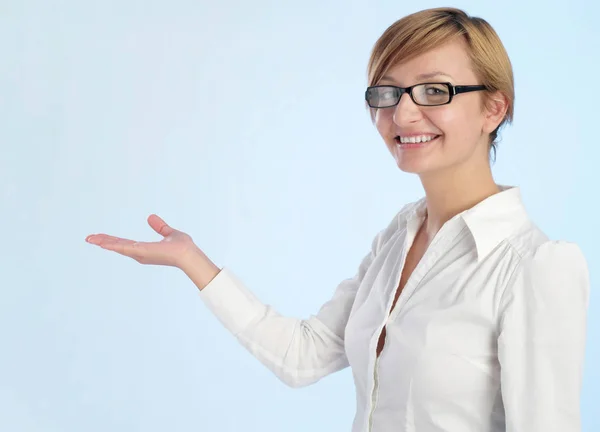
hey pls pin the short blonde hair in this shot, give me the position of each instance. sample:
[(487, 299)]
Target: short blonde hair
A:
[(422, 31)]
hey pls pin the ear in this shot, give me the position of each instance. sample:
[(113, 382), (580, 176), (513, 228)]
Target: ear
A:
[(494, 110)]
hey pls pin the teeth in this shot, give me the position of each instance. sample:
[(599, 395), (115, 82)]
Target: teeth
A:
[(416, 139)]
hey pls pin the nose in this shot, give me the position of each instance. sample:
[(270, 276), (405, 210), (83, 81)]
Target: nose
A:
[(406, 112)]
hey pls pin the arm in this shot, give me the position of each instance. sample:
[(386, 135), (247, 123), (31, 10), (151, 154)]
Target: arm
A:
[(541, 344), (297, 351)]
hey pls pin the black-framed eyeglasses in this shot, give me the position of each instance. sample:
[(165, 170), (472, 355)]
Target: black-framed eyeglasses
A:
[(424, 94)]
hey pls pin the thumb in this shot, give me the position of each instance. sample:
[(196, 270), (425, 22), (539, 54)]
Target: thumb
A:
[(159, 225)]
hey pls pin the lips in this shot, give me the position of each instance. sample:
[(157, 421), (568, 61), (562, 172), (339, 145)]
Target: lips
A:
[(415, 140)]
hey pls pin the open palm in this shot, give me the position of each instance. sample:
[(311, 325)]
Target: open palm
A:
[(169, 251)]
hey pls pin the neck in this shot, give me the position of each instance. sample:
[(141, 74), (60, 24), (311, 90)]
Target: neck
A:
[(454, 191)]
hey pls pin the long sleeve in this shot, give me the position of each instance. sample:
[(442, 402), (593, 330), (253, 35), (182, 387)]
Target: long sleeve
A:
[(541, 345), (297, 351)]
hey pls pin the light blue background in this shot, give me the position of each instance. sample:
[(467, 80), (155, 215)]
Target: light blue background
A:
[(243, 124)]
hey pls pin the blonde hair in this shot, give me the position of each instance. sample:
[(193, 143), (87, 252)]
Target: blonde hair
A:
[(422, 31)]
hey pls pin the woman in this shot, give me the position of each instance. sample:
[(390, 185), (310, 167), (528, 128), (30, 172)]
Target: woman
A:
[(463, 316)]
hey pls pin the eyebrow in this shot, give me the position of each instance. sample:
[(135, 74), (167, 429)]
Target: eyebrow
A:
[(423, 76)]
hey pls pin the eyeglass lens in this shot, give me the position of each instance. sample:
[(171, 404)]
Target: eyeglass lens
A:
[(423, 94)]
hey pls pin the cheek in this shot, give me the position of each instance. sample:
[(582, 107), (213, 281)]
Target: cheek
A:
[(447, 120), (383, 122), (454, 121)]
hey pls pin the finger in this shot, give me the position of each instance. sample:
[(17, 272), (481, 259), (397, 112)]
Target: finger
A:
[(129, 248), (105, 240), (159, 225), (100, 238), (139, 251)]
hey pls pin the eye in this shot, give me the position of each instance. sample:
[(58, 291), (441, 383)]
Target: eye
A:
[(387, 93), (435, 90)]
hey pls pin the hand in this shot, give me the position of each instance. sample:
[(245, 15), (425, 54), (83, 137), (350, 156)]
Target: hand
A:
[(172, 250)]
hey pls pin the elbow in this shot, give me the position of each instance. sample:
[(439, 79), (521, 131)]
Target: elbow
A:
[(297, 371), (294, 379)]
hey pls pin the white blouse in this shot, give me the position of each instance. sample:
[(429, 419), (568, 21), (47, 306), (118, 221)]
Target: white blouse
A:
[(488, 334)]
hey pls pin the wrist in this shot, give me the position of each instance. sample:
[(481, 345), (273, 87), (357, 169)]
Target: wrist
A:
[(196, 265)]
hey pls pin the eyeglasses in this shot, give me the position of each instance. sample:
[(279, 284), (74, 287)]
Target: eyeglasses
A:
[(425, 94)]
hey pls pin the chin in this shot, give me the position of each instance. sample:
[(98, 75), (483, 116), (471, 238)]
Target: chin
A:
[(415, 161), (414, 167)]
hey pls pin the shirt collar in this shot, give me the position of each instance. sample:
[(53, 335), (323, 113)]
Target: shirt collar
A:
[(489, 222)]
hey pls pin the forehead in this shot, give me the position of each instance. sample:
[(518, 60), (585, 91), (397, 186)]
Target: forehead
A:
[(448, 62)]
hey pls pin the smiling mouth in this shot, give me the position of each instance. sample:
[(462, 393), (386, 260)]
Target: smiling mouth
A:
[(415, 141)]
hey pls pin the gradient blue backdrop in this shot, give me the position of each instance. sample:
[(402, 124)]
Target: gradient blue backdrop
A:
[(243, 124)]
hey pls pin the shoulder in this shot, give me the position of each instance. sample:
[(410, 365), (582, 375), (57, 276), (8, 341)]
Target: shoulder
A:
[(555, 260), (538, 254), (550, 275)]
